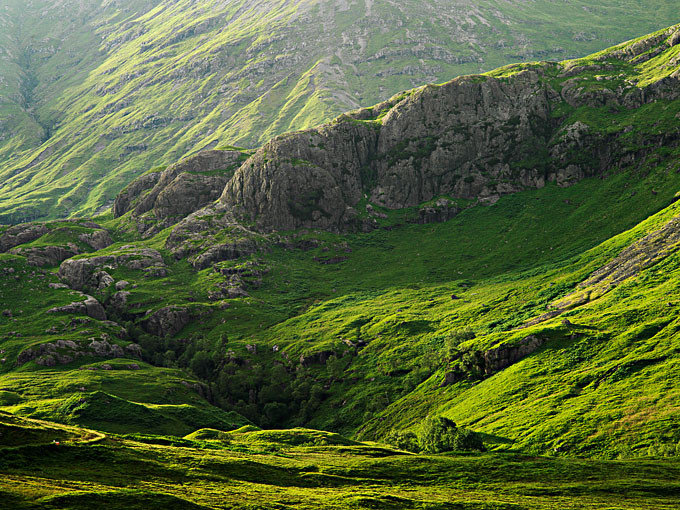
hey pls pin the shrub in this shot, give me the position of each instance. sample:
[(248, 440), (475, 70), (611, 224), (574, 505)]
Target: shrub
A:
[(454, 339), (439, 434), (404, 440)]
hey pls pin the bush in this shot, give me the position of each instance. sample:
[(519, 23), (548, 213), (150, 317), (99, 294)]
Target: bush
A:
[(202, 364), (454, 339), (439, 434), (403, 440)]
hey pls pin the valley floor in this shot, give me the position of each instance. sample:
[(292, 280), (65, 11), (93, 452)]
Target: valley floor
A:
[(302, 468)]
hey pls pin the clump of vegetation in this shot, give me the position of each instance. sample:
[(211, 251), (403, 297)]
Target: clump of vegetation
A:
[(455, 338), (404, 440), (437, 434)]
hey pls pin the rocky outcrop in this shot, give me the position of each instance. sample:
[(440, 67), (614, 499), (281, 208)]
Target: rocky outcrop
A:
[(47, 256), (167, 321), (134, 192), (502, 357), (21, 234), (462, 139), (187, 193), (471, 140), (637, 257), (318, 358), (88, 272), (90, 307), (440, 211), (212, 235), (119, 300), (475, 138), (42, 256), (471, 365), (63, 352), (179, 190), (98, 239)]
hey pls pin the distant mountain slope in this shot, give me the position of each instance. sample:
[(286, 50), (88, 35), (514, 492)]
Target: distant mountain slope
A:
[(93, 94)]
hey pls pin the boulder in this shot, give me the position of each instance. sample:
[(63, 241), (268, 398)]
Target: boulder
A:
[(103, 279), (46, 256), (103, 348), (167, 321), (122, 284), (98, 240), (134, 350), (119, 300), (88, 272), (21, 234), (90, 307)]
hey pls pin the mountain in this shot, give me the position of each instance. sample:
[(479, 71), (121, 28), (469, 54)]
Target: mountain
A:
[(92, 94), (500, 250)]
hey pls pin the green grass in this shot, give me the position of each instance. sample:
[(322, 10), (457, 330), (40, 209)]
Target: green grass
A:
[(251, 470)]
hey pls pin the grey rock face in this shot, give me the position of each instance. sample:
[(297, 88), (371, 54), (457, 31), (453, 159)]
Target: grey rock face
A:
[(90, 307), (502, 357), (98, 240), (20, 234), (87, 272), (474, 138), (311, 178), (127, 198), (167, 321), (187, 193), (47, 256), (480, 364), (180, 190), (456, 139)]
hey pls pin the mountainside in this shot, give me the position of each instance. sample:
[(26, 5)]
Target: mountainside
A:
[(93, 94), (500, 251)]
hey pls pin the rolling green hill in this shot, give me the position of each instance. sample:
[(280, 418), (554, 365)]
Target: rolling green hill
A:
[(93, 94), (301, 469)]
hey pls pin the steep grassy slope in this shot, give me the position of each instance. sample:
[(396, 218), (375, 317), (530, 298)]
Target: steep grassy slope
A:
[(544, 319), (92, 95), (302, 469)]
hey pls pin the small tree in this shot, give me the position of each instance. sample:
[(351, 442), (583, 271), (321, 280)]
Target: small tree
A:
[(439, 434), (202, 364), (404, 440), (467, 440), (454, 339)]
